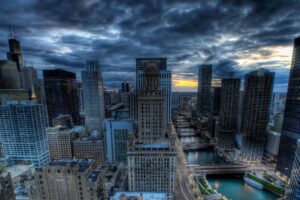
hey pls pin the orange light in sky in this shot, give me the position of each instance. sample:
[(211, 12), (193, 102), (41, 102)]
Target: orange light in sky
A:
[(185, 83)]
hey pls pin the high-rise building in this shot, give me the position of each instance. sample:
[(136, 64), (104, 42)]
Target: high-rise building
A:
[(93, 96), (126, 87), (152, 166), (272, 145), (61, 94), (89, 147), (204, 85), (165, 80), (215, 93), (116, 136), (6, 186), (14, 53), (39, 92), (9, 75), (152, 156), (151, 118), (66, 179), (228, 121), (27, 76), (291, 122), (293, 190), (80, 94), (255, 115), (23, 132)]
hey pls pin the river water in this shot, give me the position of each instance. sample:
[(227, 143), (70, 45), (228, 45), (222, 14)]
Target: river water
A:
[(232, 188)]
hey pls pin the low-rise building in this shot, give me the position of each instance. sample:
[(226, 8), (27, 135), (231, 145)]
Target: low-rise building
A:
[(6, 186), (66, 179), (60, 140), (89, 147)]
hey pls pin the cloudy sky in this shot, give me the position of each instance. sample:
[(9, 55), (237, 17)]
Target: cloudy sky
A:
[(240, 35)]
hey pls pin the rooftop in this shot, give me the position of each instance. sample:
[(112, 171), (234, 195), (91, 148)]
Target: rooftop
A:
[(162, 145), (145, 195), (82, 164), (17, 170)]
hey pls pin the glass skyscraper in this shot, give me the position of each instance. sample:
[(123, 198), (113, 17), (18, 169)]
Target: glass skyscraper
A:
[(23, 134), (291, 122)]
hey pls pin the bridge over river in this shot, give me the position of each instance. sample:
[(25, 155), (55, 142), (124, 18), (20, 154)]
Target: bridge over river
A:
[(203, 170)]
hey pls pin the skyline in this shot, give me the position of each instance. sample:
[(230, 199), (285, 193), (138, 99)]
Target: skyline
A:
[(228, 34)]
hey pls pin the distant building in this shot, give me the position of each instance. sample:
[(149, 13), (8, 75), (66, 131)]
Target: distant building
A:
[(66, 179), (204, 85), (63, 120), (6, 186), (215, 93), (60, 141), (9, 75), (15, 53), (116, 135), (93, 97), (80, 94), (277, 122), (291, 122), (165, 80), (89, 147), (22, 130), (255, 114), (61, 94), (293, 190), (273, 139), (229, 111), (7, 95), (126, 87), (27, 76), (39, 92)]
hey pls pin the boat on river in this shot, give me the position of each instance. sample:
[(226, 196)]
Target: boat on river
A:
[(253, 183)]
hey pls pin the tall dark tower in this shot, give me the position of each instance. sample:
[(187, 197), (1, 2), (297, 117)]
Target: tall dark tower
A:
[(228, 121), (14, 53), (255, 115), (61, 94), (204, 85), (291, 123)]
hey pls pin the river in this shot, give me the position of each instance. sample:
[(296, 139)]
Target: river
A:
[(232, 188)]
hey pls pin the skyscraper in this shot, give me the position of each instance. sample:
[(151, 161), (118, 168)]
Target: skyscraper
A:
[(151, 156), (204, 85), (165, 80), (93, 96), (151, 118), (61, 94), (23, 134), (27, 76), (228, 121), (9, 75), (293, 189), (291, 122), (14, 53), (255, 115)]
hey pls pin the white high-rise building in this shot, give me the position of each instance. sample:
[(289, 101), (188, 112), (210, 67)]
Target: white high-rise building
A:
[(23, 132), (92, 85), (165, 80)]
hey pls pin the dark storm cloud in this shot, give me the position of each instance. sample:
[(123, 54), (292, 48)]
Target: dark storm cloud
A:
[(64, 33)]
